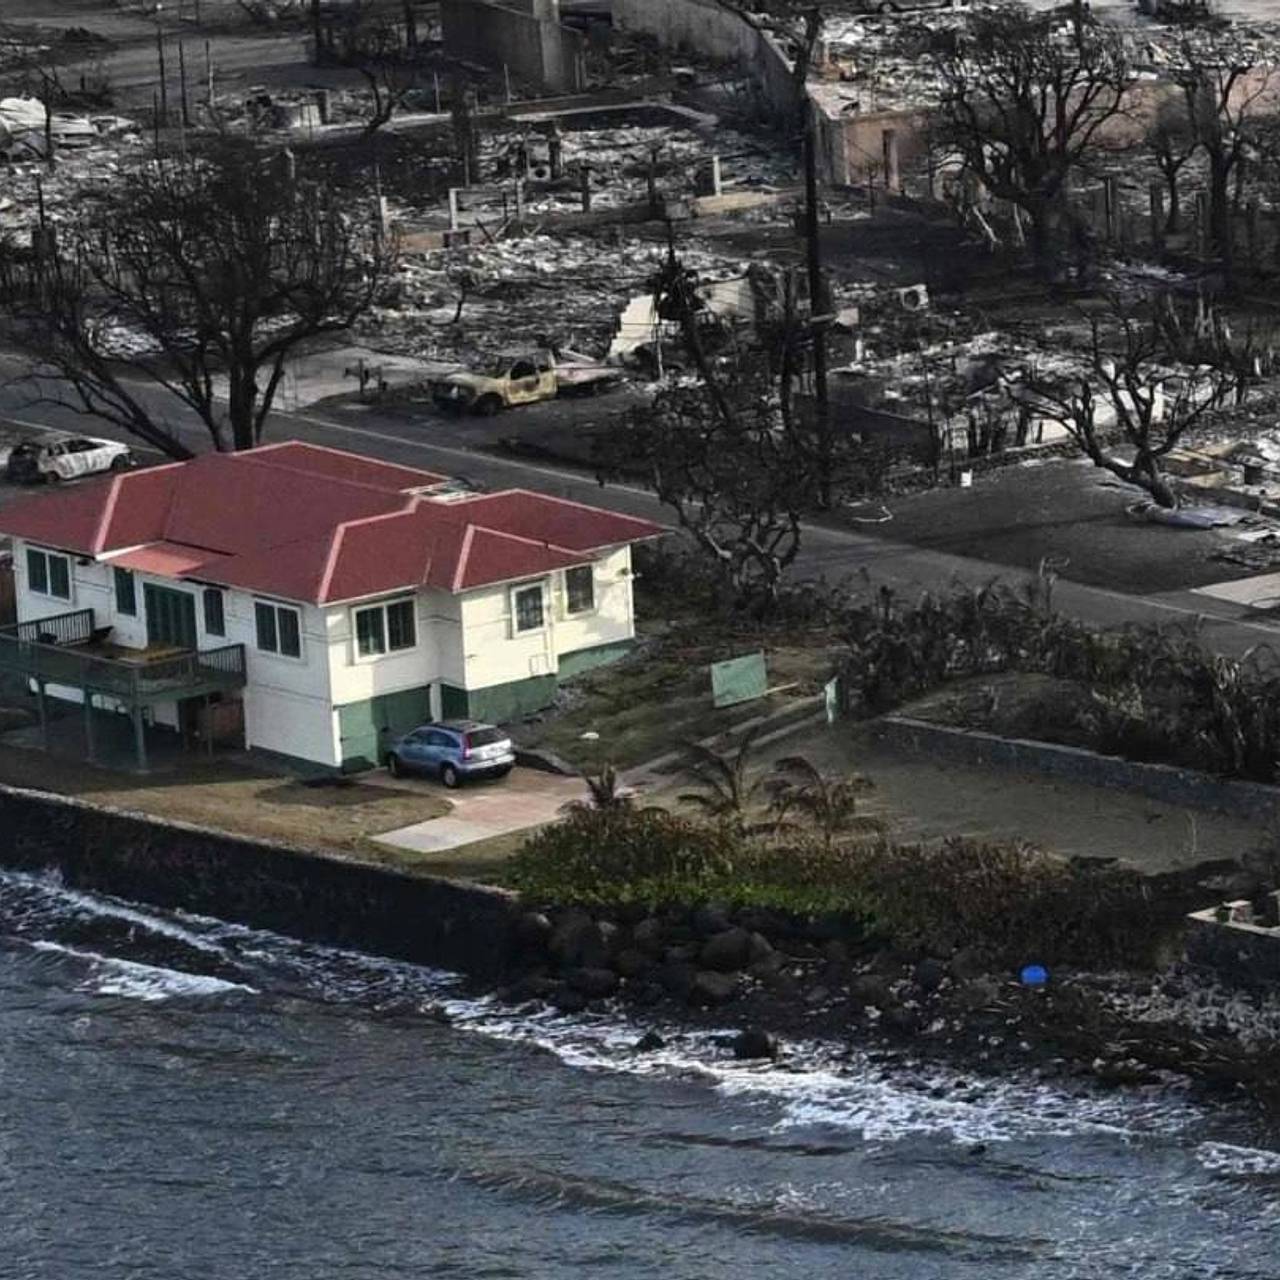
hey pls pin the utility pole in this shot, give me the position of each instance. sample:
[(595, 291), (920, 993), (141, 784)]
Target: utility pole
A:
[(163, 117), (817, 322)]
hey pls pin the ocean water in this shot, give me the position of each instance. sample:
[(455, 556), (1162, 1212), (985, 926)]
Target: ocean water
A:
[(181, 1097)]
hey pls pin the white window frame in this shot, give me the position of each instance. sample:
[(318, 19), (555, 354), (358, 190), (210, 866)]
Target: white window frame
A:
[(279, 606), (48, 577), (382, 607), (564, 585), (515, 593)]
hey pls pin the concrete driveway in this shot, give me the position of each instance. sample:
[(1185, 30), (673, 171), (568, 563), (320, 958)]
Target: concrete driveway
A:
[(524, 798)]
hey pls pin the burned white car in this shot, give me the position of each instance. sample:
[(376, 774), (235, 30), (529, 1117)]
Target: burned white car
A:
[(58, 457)]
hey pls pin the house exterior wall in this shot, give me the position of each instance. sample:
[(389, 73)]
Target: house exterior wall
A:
[(287, 705), (332, 708)]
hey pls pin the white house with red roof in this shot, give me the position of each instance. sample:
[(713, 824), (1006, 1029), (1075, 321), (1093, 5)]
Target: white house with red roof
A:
[(324, 601)]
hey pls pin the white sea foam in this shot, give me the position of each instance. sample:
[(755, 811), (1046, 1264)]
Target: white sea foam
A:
[(108, 908), (1223, 1157), (109, 976), (855, 1094)]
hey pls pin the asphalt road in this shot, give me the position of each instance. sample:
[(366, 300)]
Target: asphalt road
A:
[(462, 447)]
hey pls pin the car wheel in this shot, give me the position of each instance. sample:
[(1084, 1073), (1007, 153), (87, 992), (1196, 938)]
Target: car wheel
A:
[(502, 773), (394, 767), (120, 462), (52, 477), (449, 776), (488, 406)]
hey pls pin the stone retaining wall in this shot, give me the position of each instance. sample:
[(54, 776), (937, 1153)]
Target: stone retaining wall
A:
[(461, 927), (1250, 800)]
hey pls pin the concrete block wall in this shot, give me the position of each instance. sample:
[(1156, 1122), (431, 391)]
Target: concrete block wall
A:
[(535, 48), (717, 32)]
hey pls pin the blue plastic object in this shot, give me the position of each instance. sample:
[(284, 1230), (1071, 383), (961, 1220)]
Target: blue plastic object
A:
[(1033, 975)]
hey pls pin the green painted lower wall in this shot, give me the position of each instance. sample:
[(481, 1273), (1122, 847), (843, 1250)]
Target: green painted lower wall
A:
[(364, 728), (580, 660), (502, 703)]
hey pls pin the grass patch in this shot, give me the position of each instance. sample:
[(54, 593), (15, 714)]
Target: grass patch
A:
[(338, 816)]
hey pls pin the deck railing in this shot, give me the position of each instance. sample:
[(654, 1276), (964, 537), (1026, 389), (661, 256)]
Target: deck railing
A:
[(50, 650)]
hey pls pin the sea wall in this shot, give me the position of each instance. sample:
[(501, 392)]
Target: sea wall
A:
[(461, 927)]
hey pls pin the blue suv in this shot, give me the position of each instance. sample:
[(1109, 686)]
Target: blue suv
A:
[(452, 750)]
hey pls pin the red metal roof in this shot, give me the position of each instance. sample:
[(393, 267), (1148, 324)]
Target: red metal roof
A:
[(312, 524)]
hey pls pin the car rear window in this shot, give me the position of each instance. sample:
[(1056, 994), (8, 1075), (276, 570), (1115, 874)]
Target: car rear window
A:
[(483, 737)]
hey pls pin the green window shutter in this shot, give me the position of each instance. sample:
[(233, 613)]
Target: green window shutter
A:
[(401, 628), (126, 592), (371, 638), (265, 617), (290, 632), (60, 577), (37, 571), (579, 589), (215, 620)]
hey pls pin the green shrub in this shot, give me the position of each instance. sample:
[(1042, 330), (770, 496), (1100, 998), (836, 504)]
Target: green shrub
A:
[(1014, 904), (649, 856), (1159, 694)]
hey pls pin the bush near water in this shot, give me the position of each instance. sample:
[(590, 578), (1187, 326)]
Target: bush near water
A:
[(1006, 902)]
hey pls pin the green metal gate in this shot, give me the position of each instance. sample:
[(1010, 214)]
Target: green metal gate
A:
[(367, 728)]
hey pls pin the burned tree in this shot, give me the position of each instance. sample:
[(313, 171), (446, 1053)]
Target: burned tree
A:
[(1223, 89), (738, 455), (1150, 375), (1172, 142), (1023, 106), (202, 276)]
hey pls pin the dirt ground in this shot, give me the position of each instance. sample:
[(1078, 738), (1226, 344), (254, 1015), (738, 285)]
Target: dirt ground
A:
[(922, 800), (654, 701), (339, 817)]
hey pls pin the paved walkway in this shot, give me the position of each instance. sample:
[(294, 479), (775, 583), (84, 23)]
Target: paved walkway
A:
[(481, 810)]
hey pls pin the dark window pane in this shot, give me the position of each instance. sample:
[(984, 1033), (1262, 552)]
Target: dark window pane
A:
[(401, 631), (215, 620), (483, 737), (290, 632), (126, 592), (579, 589), (38, 571), (265, 616), (370, 639), (529, 609), (60, 577)]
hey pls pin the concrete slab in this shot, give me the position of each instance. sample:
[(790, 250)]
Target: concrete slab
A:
[(525, 798), (1261, 592)]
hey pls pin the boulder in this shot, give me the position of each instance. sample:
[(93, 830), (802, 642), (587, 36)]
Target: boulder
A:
[(710, 918), (676, 977), (650, 1042), (710, 987), (967, 962), (650, 935), (835, 952), (727, 951), (593, 983), (631, 962), (569, 1000), (533, 930), (929, 974), (869, 989), (578, 942), (761, 949), (752, 1042)]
